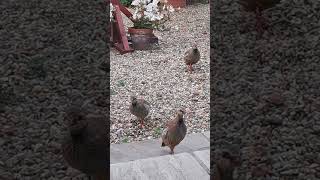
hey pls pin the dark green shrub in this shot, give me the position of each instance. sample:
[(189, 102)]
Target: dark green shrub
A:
[(126, 2)]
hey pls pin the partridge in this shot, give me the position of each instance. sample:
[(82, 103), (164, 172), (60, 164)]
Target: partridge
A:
[(85, 145), (175, 132), (192, 56), (139, 108), (258, 6)]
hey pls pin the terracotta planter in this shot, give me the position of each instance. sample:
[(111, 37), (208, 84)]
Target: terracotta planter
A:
[(142, 39), (134, 31), (178, 3)]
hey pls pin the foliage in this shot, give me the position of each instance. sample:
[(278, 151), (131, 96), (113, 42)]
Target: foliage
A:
[(126, 3), (150, 14)]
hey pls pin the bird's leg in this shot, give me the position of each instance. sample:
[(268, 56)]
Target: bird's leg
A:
[(190, 68), (171, 148), (141, 123)]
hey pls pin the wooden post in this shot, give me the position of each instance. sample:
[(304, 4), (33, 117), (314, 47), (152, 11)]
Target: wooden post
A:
[(123, 9), (118, 34)]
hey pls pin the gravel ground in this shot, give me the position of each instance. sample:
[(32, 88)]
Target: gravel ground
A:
[(50, 53), (276, 133), (160, 77)]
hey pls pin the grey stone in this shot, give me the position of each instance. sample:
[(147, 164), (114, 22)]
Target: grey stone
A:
[(207, 134), (152, 148), (203, 157), (181, 166)]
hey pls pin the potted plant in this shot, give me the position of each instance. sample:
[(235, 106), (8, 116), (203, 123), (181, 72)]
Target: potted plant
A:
[(178, 3), (148, 15)]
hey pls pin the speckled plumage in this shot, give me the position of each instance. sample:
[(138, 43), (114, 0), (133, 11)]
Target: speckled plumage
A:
[(139, 108), (192, 56), (175, 132), (85, 146)]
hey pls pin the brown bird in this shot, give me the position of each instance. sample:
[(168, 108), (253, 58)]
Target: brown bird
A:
[(85, 145), (175, 132), (258, 6), (225, 166), (140, 108), (192, 56)]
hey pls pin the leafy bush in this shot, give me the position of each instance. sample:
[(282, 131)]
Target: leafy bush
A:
[(126, 2)]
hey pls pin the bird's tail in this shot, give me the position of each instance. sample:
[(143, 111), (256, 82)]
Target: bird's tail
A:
[(163, 144)]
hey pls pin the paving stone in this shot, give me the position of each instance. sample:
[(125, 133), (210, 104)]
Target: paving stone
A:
[(152, 148), (133, 151), (203, 157), (207, 134), (181, 166)]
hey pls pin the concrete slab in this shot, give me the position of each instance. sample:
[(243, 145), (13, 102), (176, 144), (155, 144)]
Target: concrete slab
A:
[(207, 134), (137, 150), (181, 166), (152, 148), (204, 158)]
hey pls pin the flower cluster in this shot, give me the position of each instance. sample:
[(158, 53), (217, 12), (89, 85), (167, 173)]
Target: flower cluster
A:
[(150, 13)]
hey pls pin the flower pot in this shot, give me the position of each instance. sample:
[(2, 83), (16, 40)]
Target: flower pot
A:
[(134, 31), (142, 39), (178, 3)]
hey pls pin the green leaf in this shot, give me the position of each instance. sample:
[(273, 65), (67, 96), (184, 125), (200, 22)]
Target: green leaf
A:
[(157, 131), (126, 2), (125, 140), (113, 92), (121, 83)]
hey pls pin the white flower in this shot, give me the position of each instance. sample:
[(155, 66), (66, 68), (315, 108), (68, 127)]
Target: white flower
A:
[(164, 7), (148, 15), (161, 16), (171, 9), (136, 15), (149, 7), (135, 3), (148, 12), (139, 15), (145, 2), (155, 2)]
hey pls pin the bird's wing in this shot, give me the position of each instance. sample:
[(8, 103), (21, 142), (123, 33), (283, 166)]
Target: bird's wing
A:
[(146, 103), (187, 53), (171, 125)]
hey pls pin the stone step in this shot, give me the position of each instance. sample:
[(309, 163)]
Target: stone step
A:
[(181, 166), (152, 148), (203, 158)]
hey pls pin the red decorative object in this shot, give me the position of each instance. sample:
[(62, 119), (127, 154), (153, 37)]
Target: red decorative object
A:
[(140, 31), (119, 37), (142, 39), (178, 3)]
